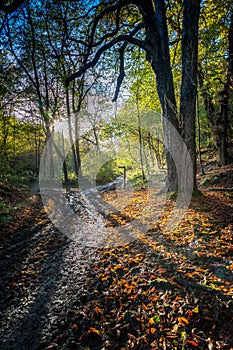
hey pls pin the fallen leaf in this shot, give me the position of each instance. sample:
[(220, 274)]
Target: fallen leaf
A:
[(192, 342), (196, 309), (183, 321)]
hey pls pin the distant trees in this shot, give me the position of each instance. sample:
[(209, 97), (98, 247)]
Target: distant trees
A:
[(216, 74), (36, 42)]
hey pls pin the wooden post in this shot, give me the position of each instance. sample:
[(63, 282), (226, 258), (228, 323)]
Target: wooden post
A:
[(124, 167)]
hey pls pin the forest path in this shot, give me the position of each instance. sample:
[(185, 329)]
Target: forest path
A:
[(160, 291)]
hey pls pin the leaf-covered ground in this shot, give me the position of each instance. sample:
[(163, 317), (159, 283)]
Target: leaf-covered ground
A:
[(167, 289)]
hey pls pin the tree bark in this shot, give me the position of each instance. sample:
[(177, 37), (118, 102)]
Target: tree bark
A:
[(188, 93), (159, 58), (140, 142)]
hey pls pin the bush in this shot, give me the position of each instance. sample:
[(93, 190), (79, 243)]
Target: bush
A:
[(108, 172)]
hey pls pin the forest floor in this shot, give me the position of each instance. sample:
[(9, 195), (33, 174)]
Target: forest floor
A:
[(162, 290)]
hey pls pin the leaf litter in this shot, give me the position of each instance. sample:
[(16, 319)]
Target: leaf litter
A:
[(164, 290)]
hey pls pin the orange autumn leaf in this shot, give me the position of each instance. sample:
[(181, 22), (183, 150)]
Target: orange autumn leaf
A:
[(196, 309), (183, 321), (152, 290), (93, 330), (192, 342), (153, 330), (144, 307)]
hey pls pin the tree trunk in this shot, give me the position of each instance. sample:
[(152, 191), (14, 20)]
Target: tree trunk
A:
[(77, 147), (76, 112), (70, 132), (199, 137), (140, 142), (188, 93), (159, 58)]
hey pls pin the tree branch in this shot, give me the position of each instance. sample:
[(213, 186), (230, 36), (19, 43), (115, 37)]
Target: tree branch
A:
[(8, 9), (129, 38), (121, 73)]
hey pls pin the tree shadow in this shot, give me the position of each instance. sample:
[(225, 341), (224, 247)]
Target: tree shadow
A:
[(36, 288), (25, 310), (33, 310), (188, 280)]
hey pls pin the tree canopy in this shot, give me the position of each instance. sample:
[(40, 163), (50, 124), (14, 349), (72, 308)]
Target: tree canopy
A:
[(55, 54)]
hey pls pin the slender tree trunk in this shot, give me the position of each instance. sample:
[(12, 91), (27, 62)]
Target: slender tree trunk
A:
[(140, 142), (221, 134), (150, 145), (96, 138), (77, 147), (218, 122), (36, 140), (199, 137), (70, 132), (65, 171), (76, 112)]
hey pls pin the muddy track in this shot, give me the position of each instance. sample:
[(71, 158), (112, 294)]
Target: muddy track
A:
[(42, 273)]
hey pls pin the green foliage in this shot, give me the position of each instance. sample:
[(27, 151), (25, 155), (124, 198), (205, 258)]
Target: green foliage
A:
[(213, 47), (211, 179), (20, 147), (5, 216), (156, 318), (197, 193), (108, 172), (205, 181), (7, 211), (137, 182)]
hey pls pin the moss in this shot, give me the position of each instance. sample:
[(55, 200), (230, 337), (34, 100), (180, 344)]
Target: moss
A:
[(197, 193)]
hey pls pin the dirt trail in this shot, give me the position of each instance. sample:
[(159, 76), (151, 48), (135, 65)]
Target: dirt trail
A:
[(57, 294), (42, 273)]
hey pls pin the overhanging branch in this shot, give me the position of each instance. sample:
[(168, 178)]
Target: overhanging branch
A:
[(128, 38), (12, 7), (121, 73)]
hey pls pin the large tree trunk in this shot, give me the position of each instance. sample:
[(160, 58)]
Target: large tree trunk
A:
[(188, 93), (159, 58)]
